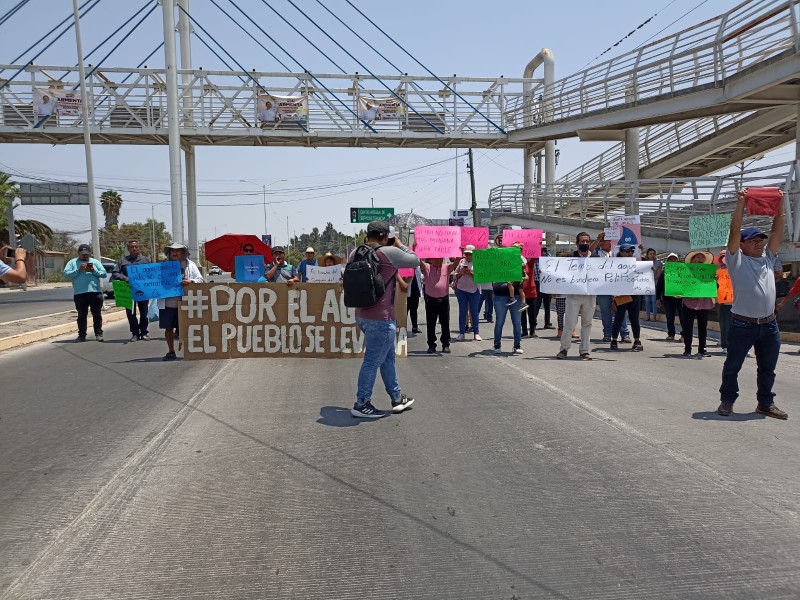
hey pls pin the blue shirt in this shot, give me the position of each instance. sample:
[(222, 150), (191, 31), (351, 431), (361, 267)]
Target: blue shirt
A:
[(283, 274), (4, 268), (84, 281), (302, 267)]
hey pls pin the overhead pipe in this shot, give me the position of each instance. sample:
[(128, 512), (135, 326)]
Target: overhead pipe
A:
[(545, 57)]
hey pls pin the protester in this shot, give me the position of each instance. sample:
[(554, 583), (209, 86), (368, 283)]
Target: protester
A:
[(19, 272), (531, 298), (627, 305), (138, 326), (754, 322), (437, 300), (724, 310), (650, 303), (467, 294), (579, 304), (168, 307), (379, 327), (698, 308), (502, 306), (330, 260), (487, 302), (605, 301), (414, 293), (280, 271), (309, 260), (85, 273), (542, 298), (672, 306)]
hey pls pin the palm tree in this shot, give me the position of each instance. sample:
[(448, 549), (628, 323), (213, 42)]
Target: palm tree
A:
[(111, 203), (8, 192)]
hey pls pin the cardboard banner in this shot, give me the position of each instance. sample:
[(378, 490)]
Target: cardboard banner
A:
[(690, 280), (477, 236), (122, 294), (531, 240), (156, 280), (269, 320), (249, 268), (271, 108), (437, 241), (381, 109), (596, 276), (53, 101), (497, 265), (317, 274), (724, 287), (709, 231)]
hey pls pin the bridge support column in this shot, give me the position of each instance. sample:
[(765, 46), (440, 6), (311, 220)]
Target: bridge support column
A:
[(191, 201), (527, 179), (170, 66), (632, 166), (796, 186), (185, 33)]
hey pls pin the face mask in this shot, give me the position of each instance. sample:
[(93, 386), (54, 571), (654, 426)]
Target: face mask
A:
[(583, 247)]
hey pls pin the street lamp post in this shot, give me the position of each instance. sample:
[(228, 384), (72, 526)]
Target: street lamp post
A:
[(264, 197)]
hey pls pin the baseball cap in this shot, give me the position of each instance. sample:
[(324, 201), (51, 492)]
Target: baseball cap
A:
[(468, 249), (84, 248), (627, 247), (748, 233), (278, 249), (381, 227), (310, 249)]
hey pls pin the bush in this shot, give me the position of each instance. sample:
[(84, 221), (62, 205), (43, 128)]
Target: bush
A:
[(56, 277)]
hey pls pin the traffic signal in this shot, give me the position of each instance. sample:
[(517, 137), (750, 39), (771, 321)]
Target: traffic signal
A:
[(354, 215)]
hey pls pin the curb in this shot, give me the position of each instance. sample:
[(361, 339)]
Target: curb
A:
[(30, 337)]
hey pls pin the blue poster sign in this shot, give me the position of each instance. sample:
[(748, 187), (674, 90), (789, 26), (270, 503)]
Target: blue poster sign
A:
[(156, 280), (267, 239), (250, 269)]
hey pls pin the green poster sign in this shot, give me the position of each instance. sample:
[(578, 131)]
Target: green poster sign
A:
[(497, 264), (122, 294), (690, 280), (709, 231), (365, 215)]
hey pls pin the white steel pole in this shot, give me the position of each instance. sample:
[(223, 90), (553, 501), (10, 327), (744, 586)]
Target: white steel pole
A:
[(87, 135), (456, 213), (170, 65), (184, 33)]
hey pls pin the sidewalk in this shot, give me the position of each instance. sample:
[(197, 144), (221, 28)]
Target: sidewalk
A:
[(33, 288)]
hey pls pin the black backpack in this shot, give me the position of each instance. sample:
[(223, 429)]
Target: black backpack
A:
[(362, 280)]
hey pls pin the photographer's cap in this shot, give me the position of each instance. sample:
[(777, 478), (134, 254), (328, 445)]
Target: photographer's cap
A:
[(381, 227)]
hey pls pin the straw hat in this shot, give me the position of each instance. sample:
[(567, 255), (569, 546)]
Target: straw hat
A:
[(337, 260), (708, 258)]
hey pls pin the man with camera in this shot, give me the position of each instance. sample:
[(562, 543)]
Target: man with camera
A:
[(17, 273), (85, 274)]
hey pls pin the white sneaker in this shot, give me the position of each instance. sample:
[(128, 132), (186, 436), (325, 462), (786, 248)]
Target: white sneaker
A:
[(517, 350), (478, 338), (460, 337)]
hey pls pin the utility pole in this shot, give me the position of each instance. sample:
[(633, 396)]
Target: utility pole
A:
[(153, 233), (475, 220)]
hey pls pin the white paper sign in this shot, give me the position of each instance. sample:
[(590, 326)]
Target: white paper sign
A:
[(317, 274), (612, 233), (597, 275)]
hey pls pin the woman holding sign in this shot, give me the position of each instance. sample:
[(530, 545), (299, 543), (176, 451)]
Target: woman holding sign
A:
[(467, 294), (698, 308)]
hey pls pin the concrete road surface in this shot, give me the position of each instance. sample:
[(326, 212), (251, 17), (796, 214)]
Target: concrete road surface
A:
[(19, 304), (513, 477)]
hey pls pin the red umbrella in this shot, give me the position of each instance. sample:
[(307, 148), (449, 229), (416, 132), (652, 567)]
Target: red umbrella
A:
[(222, 250)]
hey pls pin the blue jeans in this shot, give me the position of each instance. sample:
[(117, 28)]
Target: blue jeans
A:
[(604, 302), (650, 306), (379, 338), (471, 301), (501, 308), (724, 324), (765, 339), (487, 302)]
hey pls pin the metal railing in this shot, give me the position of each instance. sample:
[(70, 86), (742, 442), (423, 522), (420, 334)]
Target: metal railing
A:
[(664, 205), (749, 35), (224, 102)]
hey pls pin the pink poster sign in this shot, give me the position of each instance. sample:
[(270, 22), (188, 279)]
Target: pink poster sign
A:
[(437, 241), (477, 236), (531, 240), (405, 272)]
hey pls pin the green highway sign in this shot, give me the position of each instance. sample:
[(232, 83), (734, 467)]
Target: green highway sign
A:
[(365, 215)]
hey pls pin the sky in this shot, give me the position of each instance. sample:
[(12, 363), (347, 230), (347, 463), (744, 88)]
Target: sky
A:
[(448, 37)]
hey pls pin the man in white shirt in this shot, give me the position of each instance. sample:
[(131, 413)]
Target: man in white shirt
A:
[(168, 307), (579, 304)]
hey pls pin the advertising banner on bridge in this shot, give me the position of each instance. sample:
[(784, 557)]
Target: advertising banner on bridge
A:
[(381, 109), (269, 320), (52, 101), (596, 275), (270, 108)]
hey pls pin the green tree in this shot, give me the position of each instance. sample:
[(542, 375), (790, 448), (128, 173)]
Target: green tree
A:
[(111, 203), (62, 241), (8, 193), (114, 241)]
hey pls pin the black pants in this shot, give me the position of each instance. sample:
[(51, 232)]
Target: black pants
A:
[(438, 308), (138, 327), (529, 316), (689, 315), (543, 298), (89, 301), (673, 307), (413, 307), (632, 308)]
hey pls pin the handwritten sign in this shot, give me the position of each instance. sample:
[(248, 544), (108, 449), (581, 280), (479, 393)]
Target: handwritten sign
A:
[(531, 240), (612, 233), (709, 231), (477, 236), (437, 241), (630, 229), (497, 264), (317, 274), (122, 294), (268, 320), (725, 289), (690, 280), (249, 269), (596, 275), (156, 280), (405, 272)]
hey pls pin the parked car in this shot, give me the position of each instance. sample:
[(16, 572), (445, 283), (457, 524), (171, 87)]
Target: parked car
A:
[(215, 270), (105, 282)]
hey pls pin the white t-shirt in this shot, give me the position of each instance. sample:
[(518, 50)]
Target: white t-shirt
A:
[(753, 284)]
